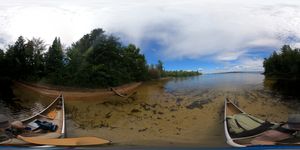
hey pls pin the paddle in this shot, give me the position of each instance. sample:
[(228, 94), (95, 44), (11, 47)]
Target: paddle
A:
[(81, 141)]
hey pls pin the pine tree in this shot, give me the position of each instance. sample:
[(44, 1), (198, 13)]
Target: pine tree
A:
[(54, 57), (55, 63)]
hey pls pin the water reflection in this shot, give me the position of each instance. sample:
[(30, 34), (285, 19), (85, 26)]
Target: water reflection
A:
[(6, 92), (224, 81), (18, 103), (287, 88)]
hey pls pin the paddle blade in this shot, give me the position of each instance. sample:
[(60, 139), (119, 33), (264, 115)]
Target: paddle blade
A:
[(81, 141)]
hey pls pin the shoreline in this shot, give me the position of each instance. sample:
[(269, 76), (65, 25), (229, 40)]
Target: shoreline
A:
[(77, 94)]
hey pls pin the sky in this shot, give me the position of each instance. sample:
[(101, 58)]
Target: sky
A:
[(206, 35)]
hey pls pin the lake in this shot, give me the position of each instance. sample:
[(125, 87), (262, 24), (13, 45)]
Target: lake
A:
[(180, 112)]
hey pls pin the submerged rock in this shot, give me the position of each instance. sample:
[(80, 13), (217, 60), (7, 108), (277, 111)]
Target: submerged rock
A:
[(146, 106), (178, 101), (142, 130), (108, 115), (135, 111), (173, 109), (160, 113), (198, 104)]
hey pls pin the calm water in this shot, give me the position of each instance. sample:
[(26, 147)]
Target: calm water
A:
[(23, 104), (223, 82), (177, 112)]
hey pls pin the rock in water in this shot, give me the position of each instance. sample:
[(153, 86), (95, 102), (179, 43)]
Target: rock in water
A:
[(198, 104)]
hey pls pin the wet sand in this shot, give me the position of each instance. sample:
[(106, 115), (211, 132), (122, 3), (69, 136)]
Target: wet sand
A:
[(77, 94)]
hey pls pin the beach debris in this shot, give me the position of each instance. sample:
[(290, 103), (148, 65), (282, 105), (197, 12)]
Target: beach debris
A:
[(154, 111), (160, 113), (118, 93), (173, 109), (131, 97), (198, 104), (146, 106), (108, 115), (142, 130), (135, 110), (178, 101), (103, 125), (154, 105)]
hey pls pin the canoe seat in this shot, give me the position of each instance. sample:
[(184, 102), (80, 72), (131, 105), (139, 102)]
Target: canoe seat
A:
[(52, 114), (243, 125)]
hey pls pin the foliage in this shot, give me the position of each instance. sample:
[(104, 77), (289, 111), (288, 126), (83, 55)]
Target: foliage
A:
[(54, 64), (181, 73), (95, 60), (286, 63), (98, 59), (157, 71), (23, 60)]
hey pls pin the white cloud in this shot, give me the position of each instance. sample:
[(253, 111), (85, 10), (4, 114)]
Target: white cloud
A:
[(229, 56), (222, 30), (244, 64)]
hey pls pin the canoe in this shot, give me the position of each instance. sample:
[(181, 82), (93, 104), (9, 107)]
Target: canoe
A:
[(241, 128), (67, 142), (54, 113)]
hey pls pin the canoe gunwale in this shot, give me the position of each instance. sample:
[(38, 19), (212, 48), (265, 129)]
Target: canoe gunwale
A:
[(63, 115), (60, 133), (50, 105), (229, 140)]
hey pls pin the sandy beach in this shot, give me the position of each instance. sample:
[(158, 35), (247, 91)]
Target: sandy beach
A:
[(76, 94)]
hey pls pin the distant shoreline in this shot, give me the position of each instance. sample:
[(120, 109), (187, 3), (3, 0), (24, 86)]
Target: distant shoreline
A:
[(235, 72)]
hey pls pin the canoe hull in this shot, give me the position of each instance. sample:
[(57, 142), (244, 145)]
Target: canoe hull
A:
[(54, 113), (229, 140)]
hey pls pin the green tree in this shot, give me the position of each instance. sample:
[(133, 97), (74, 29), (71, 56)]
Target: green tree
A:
[(39, 48), (160, 67), (2, 63), (102, 60), (54, 62), (16, 59), (135, 63), (1, 55), (284, 64), (34, 49)]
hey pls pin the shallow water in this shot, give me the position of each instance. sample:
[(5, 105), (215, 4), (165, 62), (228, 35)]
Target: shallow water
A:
[(177, 112), (24, 104)]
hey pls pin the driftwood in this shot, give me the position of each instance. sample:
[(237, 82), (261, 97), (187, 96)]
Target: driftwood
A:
[(118, 93), (125, 96)]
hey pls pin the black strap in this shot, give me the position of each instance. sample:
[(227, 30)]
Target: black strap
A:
[(264, 127), (285, 130)]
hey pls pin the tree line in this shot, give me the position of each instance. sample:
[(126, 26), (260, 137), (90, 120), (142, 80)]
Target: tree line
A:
[(95, 60), (283, 64)]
